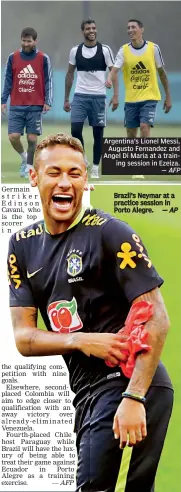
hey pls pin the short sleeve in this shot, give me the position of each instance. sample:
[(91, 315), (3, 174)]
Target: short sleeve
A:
[(119, 60), (20, 293), (158, 56), (130, 262), (72, 55), (108, 56)]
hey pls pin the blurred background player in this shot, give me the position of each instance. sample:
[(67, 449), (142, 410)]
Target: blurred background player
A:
[(91, 60), (140, 60), (28, 82)]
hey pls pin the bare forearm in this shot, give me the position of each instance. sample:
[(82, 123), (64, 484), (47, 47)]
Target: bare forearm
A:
[(146, 363), (115, 82), (31, 341), (164, 80), (68, 84), (35, 342)]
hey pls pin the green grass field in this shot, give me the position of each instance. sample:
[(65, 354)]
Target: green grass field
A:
[(11, 161)]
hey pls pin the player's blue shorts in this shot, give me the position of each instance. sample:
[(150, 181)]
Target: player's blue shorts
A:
[(29, 120), (140, 112), (89, 106)]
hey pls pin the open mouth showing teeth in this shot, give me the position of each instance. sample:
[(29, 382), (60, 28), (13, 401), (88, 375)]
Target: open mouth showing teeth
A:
[(62, 202), (62, 199)]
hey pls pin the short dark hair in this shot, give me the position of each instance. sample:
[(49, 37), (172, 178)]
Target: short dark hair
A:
[(88, 21), (140, 24), (58, 139), (29, 31)]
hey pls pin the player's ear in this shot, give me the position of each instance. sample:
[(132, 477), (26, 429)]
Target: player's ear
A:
[(33, 177)]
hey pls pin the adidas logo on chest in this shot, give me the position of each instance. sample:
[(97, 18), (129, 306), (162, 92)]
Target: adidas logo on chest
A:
[(139, 68), (27, 73)]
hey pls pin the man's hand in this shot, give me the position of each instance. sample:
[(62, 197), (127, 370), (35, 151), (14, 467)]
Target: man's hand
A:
[(129, 425), (46, 108), (107, 346), (167, 104), (67, 106), (114, 102), (108, 83), (3, 108)]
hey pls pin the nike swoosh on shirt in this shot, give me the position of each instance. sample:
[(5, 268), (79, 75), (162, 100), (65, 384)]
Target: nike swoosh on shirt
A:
[(29, 275)]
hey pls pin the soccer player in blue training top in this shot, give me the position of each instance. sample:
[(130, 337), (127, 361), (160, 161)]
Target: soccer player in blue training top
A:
[(28, 82), (91, 59), (83, 269)]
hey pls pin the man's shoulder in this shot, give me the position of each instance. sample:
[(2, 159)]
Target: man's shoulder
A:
[(105, 46), (107, 49), (109, 228), (34, 230), (75, 48), (121, 50), (10, 58), (42, 53), (95, 217), (106, 221), (125, 45), (155, 45), (93, 213), (14, 54)]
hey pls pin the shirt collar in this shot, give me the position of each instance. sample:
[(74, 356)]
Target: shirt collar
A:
[(75, 222)]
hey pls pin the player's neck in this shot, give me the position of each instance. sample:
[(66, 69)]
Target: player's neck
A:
[(90, 44), (30, 53), (54, 227), (138, 43)]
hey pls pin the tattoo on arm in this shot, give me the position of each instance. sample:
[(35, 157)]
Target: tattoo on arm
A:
[(164, 80), (157, 327), (24, 318), (32, 341)]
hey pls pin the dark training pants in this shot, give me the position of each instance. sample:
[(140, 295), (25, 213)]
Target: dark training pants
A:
[(102, 466)]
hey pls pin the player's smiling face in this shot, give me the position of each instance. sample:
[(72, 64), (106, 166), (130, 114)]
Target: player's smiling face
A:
[(134, 31), (28, 44), (90, 32), (61, 177)]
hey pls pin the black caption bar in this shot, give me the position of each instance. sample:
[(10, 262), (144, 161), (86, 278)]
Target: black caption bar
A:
[(141, 156)]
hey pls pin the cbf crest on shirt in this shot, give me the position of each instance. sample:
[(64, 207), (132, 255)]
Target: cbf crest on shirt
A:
[(74, 263)]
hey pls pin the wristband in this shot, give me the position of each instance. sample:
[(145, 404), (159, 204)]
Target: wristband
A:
[(135, 397)]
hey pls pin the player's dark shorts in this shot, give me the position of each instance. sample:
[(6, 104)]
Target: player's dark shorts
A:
[(102, 465), (140, 112), (29, 120), (89, 106)]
